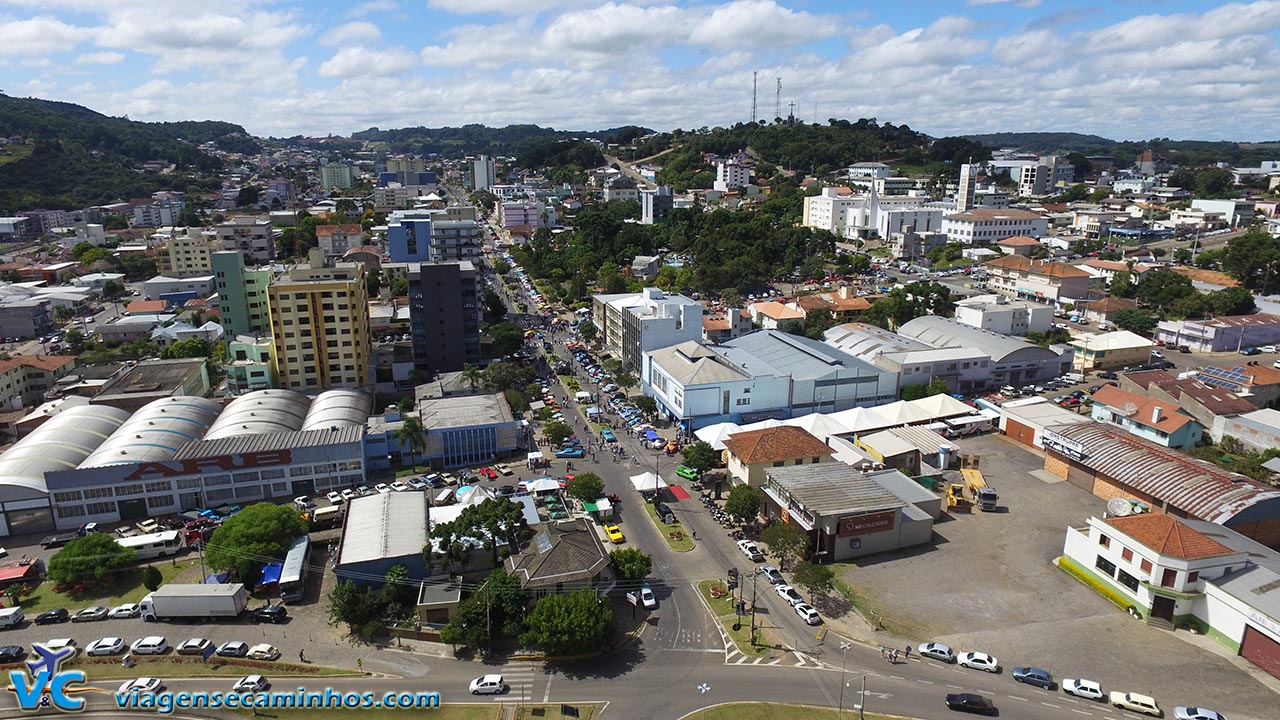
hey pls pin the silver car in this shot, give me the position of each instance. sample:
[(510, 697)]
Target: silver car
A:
[(938, 651)]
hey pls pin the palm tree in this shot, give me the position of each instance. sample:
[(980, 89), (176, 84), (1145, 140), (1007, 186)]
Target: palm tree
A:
[(472, 375), (410, 436)]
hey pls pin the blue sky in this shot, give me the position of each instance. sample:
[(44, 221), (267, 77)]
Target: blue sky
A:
[(1118, 68)]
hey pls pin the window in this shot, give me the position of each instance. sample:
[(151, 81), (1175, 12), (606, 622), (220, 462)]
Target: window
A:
[(1193, 576), (100, 508), (1127, 580), (1169, 577), (65, 511), (1127, 554), (159, 501), (63, 497), (779, 463), (1104, 541), (1105, 566), (1146, 566), (159, 487)]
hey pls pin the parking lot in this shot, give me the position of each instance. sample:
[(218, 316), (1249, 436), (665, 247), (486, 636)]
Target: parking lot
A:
[(988, 583)]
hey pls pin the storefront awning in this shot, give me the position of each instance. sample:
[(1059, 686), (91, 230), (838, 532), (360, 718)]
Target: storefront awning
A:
[(796, 518)]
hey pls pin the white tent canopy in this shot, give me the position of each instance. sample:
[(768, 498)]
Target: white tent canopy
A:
[(770, 423), (544, 485), (819, 425), (861, 419), (942, 406), (647, 482), (714, 435), (535, 455), (473, 495)]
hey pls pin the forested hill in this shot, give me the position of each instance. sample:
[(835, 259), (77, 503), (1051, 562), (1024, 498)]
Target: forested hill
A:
[(1043, 141), (1182, 152), (480, 139), (81, 157)]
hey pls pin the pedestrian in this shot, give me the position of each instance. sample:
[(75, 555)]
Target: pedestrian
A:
[(302, 656), (882, 652), (893, 657), (908, 653), (360, 664)]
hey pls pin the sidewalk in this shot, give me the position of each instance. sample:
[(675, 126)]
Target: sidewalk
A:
[(1204, 642)]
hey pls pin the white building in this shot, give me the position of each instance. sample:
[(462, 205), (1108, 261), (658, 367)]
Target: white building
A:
[(335, 176), (964, 370), (985, 226), (968, 184), (731, 174), (621, 188), (1000, 315), (634, 323), (161, 285), (483, 173), (656, 205), (1237, 212), (251, 236), (828, 211)]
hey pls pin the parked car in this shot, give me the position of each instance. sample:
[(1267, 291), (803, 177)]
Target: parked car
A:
[(382, 488), (194, 646), (150, 645), (348, 494), (647, 598), (1108, 375), (970, 702), (491, 684), (614, 533), (12, 653), (1250, 351), (686, 472), (127, 610), (269, 614), (90, 614), (1196, 713), (52, 617), (1267, 349), (771, 574), (105, 646), (608, 435), (808, 614), (979, 661), (303, 503), (251, 683), (141, 685), (1134, 702), (1033, 676), (233, 648), (264, 651), (749, 549), (788, 593), (938, 651), (572, 453), (1087, 689), (334, 497)]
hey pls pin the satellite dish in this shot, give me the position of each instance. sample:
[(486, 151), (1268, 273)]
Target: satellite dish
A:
[(1119, 507), (1129, 408)]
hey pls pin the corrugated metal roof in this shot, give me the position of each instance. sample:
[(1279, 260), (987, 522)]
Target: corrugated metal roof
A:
[(384, 525), (156, 431), (61, 443), (269, 441), (264, 411), (341, 407), (831, 489), (1201, 489)]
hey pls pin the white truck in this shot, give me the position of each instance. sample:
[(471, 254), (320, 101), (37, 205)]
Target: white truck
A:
[(195, 601)]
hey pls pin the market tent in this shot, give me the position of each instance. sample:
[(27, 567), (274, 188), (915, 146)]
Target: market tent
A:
[(651, 435), (593, 411), (648, 482), (763, 424), (819, 425), (942, 406), (545, 484), (601, 505), (473, 494), (270, 574), (535, 455), (862, 419), (714, 435), (904, 412)]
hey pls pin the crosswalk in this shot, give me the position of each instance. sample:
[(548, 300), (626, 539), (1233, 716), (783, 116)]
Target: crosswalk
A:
[(524, 682)]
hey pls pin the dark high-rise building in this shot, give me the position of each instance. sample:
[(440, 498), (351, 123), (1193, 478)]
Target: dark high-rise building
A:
[(444, 315)]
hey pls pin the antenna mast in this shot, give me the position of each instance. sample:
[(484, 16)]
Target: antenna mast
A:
[(777, 101), (753, 97)]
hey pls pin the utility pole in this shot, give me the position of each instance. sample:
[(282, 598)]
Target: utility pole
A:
[(862, 699), (844, 660), (754, 577)]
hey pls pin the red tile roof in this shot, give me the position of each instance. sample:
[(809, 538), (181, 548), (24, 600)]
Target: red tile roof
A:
[(48, 363), (784, 442), (1038, 267), (1020, 241), (1167, 536), (146, 307), (1141, 409)]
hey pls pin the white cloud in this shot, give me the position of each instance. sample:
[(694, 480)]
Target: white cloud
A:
[(373, 6), (352, 32), (40, 35), (505, 7), (100, 58), (761, 23), (1019, 3), (616, 28), (358, 61)]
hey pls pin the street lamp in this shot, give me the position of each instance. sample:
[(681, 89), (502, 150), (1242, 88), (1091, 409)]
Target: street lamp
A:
[(844, 656), (703, 689)]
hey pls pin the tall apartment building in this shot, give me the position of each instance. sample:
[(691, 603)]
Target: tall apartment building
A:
[(829, 210), (406, 163), (731, 174), (409, 236), (983, 227), (968, 185), (656, 205), (190, 253), (1047, 173), (335, 176), (635, 323), (525, 213), (444, 315), (249, 235), (24, 379), (242, 295), (483, 173), (320, 326), (166, 209)]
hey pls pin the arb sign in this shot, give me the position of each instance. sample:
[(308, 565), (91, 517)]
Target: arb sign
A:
[(864, 524)]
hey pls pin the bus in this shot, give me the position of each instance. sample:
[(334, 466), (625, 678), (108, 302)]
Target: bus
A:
[(294, 575), (154, 545), (326, 517)]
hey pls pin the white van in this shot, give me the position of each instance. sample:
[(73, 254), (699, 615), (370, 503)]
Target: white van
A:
[(11, 617)]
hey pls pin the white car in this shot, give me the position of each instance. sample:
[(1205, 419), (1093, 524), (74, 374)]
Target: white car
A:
[(808, 614), (1267, 348), (647, 598), (979, 661), (788, 593), (127, 610), (382, 488), (488, 685), (334, 497), (771, 574), (105, 646), (1195, 713), (264, 652), (194, 646), (1087, 689), (749, 549), (348, 494), (250, 683), (150, 645), (399, 486), (1134, 702), (141, 685), (938, 651), (417, 484)]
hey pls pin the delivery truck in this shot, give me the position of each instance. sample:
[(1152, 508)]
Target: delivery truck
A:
[(206, 601), (984, 496)]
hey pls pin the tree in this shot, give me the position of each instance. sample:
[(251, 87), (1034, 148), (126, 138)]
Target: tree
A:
[(936, 386), (405, 405), (372, 283), (1135, 321), (499, 605), (731, 298), (93, 558), (815, 579), (151, 578), (700, 456), (744, 502), (246, 539), (248, 195), (1162, 288), (626, 380), (75, 339), (507, 376), (399, 286), (472, 374), (494, 520), (585, 487), (556, 432), (646, 405), (399, 592), (569, 624), (189, 348), (361, 608), (1182, 255), (507, 338), (785, 541), (631, 565), (62, 313), (1232, 301), (1254, 259), (411, 436), (587, 331), (493, 305), (1122, 285), (111, 290)]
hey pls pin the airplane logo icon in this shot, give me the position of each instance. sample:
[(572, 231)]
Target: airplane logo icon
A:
[(50, 659)]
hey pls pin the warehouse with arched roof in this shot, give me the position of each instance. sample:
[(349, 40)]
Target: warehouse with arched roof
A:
[(338, 408), (156, 431), (261, 412)]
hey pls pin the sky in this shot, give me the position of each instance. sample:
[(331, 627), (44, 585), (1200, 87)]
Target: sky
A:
[(1124, 69)]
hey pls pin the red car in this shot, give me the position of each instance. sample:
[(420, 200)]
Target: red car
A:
[(489, 473)]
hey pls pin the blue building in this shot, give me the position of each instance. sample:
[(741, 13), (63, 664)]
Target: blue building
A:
[(409, 236), (461, 431)]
